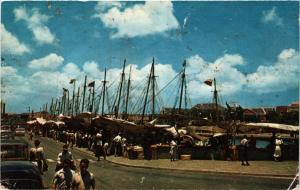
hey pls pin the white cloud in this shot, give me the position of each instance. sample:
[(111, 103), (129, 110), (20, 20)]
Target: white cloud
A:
[(287, 54), (139, 20), (51, 61), (229, 79), (13, 85), (36, 23), (71, 70), (271, 16), (105, 5), (41, 86), (92, 69), (282, 75), (10, 44)]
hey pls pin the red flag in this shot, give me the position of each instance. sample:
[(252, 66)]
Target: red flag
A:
[(208, 82)]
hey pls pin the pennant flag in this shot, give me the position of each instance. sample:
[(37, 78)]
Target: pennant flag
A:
[(91, 84), (72, 80), (208, 82)]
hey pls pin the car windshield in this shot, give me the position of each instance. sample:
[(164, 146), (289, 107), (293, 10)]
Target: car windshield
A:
[(14, 152)]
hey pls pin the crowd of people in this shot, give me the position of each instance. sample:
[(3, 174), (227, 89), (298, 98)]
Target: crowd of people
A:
[(66, 176)]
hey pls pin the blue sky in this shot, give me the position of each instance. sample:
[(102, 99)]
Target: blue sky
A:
[(251, 48)]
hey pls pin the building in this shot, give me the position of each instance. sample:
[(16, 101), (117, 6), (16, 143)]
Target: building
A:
[(293, 107)]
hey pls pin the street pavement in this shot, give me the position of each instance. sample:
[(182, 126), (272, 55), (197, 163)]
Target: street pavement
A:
[(286, 169), (123, 173)]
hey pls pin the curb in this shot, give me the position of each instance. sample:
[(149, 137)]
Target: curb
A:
[(191, 170)]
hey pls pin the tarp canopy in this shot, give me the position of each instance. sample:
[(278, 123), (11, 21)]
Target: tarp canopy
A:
[(277, 126), (41, 121), (31, 122), (207, 129), (60, 123)]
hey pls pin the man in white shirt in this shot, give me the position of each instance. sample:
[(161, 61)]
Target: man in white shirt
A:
[(117, 143), (244, 150)]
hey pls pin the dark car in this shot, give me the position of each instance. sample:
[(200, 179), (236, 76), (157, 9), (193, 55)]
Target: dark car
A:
[(20, 131), (17, 172), (20, 175), (6, 132), (13, 150)]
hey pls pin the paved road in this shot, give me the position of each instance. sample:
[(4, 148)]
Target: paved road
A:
[(112, 176)]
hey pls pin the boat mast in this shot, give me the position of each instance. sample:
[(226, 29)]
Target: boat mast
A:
[(84, 87), (216, 100), (127, 97), (77, 102), (153, 90), (55, 107), (120, 90), (182, 85), (93, 97), (51, 107), (104, 86), (73, 97), (149, 81)]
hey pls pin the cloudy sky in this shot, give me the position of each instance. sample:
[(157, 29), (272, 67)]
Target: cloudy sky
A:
[(251, 48)]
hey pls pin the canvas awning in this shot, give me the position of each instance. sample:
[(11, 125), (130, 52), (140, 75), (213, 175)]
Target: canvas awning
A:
[(208, 129), (31, 122), (277, 126), (41, 121)]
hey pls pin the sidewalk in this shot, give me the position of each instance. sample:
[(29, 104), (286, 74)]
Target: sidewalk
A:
[(287, 169)]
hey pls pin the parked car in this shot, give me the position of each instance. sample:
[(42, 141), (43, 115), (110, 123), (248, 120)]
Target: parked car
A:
[(20, 131), (17, 172), (6, 132), (14, 150), (20, 175)]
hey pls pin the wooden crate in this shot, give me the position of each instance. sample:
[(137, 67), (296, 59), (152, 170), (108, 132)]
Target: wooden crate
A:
[(185, 157)]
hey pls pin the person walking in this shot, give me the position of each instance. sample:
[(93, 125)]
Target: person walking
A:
[(63, 178), (277, 153), (98, 146), (124, 147), (30, 135), (117, 144), (37, 156), (244, 150), (173, 150), (65, 154), (83, 179)]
